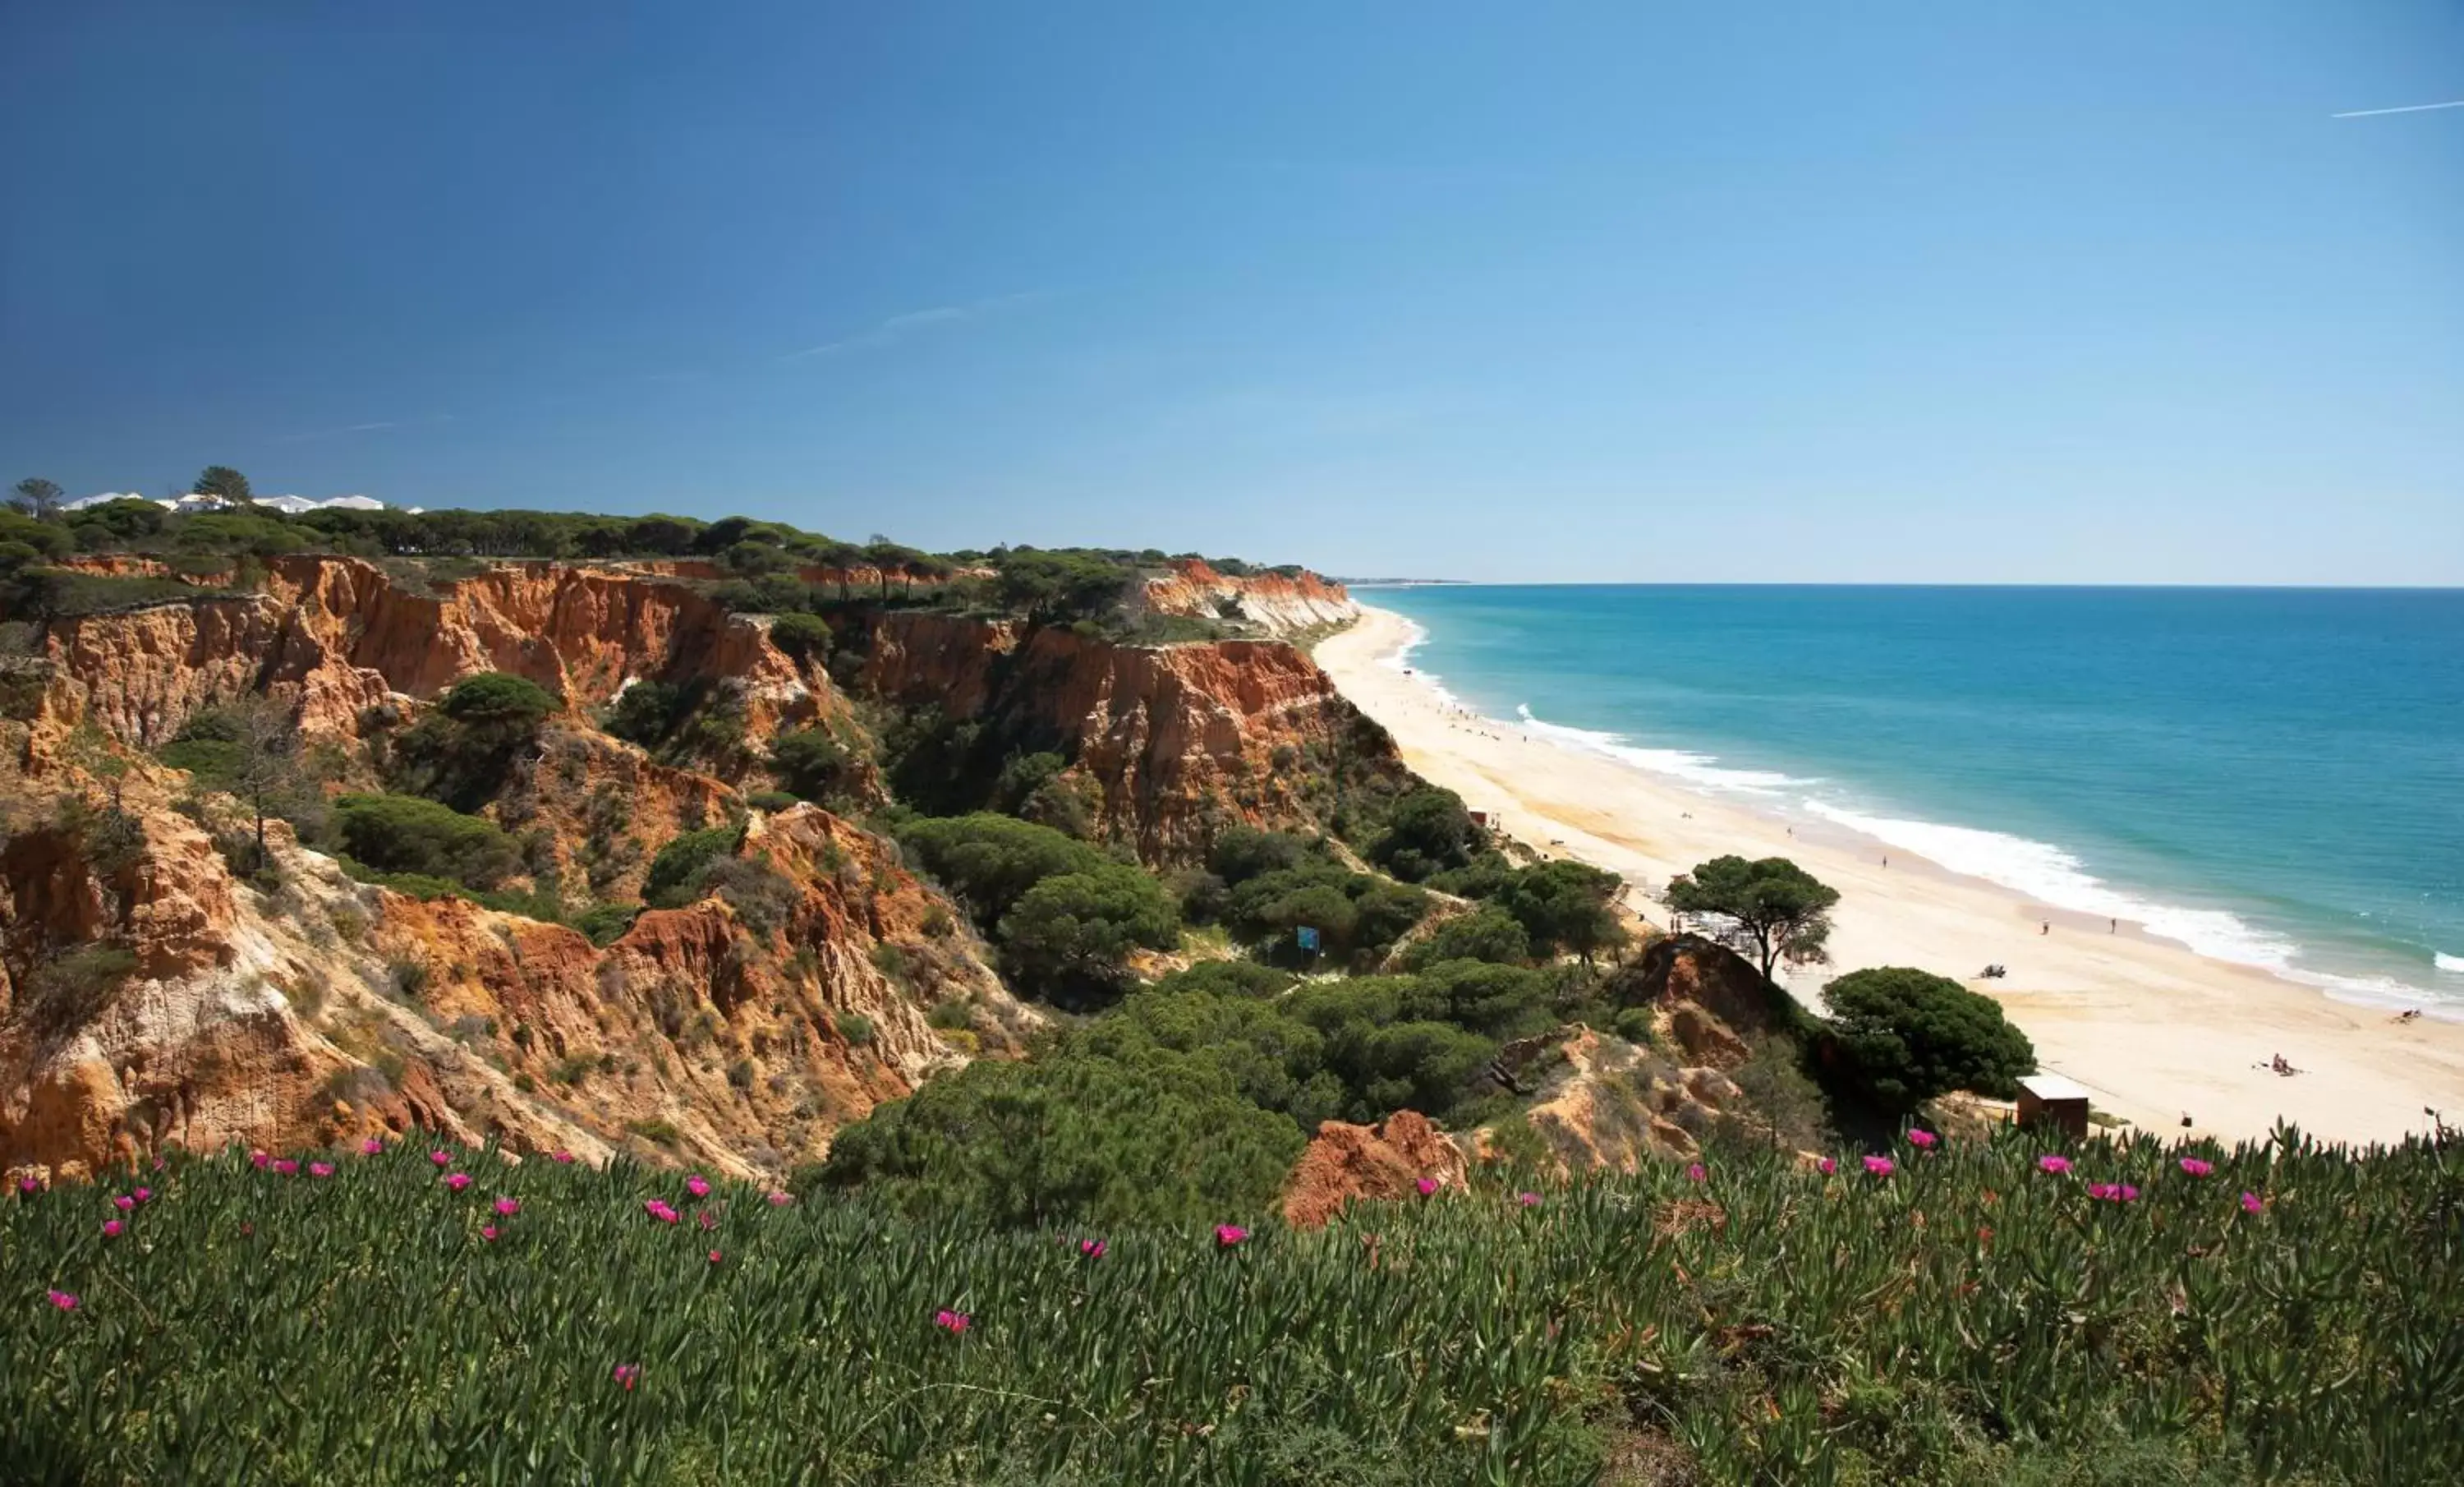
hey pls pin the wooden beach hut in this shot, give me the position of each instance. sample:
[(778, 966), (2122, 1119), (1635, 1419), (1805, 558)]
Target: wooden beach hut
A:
[(2052, 1100)]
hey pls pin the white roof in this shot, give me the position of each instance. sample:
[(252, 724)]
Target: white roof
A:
[(2053, 1086)]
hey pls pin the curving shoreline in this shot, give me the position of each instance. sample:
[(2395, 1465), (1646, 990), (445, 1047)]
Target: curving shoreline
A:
[(2155, 1029)]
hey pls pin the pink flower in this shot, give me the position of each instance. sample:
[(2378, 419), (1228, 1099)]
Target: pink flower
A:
[(563, 1155), (2196, 1167), (698, 1185), (1091, 1249), (64, 1301), (372, 1147), (1427, 1186), (441, 1158), (779, 1200), (507, 1207), (28, 1186), (2057, 1165), (713, 1256), (1826, 1167), (320, 1169), (1879, 1166), (2251, 1204), (143, 1193), (661, 1211), (2113, 1192), (458, 1181), (123, 1203), (1226, 1235), (950, 1321), (1529, 1200), (258, 1158), (111, 1228), (286, 1168), (626, 1373), (488, 1231), (705, 1220), (1694, 1173), (1922, 1141)]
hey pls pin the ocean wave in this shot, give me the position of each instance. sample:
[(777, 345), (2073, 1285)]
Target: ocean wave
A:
[(2449, 963), (2053, 877), (1701, 769), (1415, 636)]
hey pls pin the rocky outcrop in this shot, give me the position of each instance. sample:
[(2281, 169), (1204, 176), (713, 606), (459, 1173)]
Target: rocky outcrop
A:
[(1708, 1001), (1377, 1163), (1180, 740), (1277, 603)]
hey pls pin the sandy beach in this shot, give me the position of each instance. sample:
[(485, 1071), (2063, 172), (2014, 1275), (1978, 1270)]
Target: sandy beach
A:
[(2154, 1029)]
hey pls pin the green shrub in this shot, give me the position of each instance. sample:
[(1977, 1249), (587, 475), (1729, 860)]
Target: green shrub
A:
[(1489, 932), (806, 637), (854, 1027), (656, 1131), (75, 987), (1069, 937), (810, 763), (1910, 1035), (675, 876), (644, 713), (404, 833), (497, 700), (605, 923), (1428, 831), (990, 862)]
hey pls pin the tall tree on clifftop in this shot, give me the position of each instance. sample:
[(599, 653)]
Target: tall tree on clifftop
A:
[(225, 482), (36, 497), (1770, 909)]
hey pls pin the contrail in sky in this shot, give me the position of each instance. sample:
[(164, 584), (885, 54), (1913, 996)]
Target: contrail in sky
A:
[(2410, 108)]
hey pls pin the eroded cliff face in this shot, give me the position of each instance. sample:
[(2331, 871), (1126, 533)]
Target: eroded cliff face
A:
[(1179, 741), (1278, 604), (326, 1010), (337, 636), (736, 1033)]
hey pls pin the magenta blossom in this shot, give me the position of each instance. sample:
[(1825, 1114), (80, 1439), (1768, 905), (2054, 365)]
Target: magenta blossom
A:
[(458, 1181), (372, 1147), (123, 1203), (488, 1231), (64, 1301), (779, 1200), (1529, 1200), (143, 1193), (2198, 1168), (111, 1228), (698, 1185), (2113, 1192), (1226, 1235), (1922, 1141), (1427, 1186), (259, 1158), (320, 1169), (563, 1155), (706, 1219), (284, 1166), (2251, 1204), (626, 1373), (1879, 1166), (441, 1158), (661, 1211), (950, 1321), (2057, 1165), (1091, 1249), (713, 1256), (1826, 1167), (507, 1207), (1694, 1173), (28, 1186)]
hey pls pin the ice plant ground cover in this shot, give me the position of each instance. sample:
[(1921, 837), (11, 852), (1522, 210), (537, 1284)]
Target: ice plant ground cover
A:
[(1971, 1316)]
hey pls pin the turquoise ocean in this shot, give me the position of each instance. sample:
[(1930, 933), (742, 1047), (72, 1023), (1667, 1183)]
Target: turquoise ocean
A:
[(2274, 777)]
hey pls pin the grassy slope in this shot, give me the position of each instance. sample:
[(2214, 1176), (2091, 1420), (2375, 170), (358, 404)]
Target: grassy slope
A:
[(1967, 1319)]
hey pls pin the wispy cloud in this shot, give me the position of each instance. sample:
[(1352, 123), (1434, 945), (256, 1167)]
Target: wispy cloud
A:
[(2409, 108), (376, 426), (900, 327)]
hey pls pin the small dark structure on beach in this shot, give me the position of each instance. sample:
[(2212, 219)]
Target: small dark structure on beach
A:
[(2048, 1100)]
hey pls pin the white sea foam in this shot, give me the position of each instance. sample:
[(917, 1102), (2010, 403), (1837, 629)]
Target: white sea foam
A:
[(1699, 769), (2449, 963), (2053, 877)]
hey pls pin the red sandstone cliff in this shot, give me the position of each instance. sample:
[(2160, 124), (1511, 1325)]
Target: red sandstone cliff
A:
[(1278, 604)]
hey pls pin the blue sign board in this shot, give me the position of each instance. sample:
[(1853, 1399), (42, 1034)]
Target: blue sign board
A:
[(1308, 939)]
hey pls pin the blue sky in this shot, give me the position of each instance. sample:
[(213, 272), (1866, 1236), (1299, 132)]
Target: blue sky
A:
[(1887, 292)]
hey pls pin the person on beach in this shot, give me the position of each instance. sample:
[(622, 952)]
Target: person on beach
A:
[(2045, 928), (2113, 926)]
